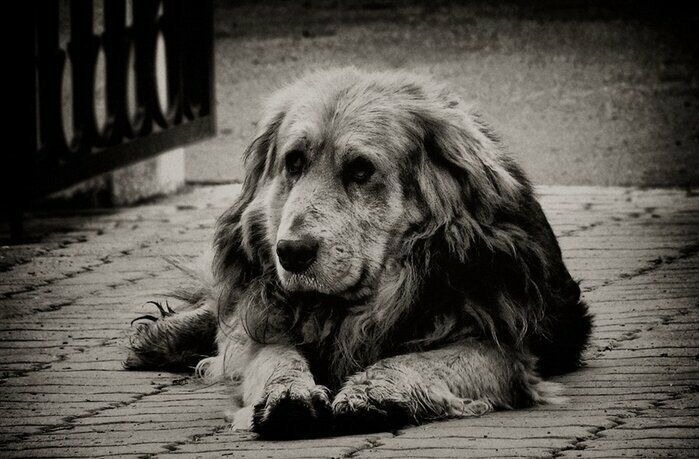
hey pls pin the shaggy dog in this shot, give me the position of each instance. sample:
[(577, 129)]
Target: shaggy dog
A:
[(386, 264)]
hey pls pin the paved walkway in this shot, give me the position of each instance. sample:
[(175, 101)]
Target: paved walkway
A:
[(67, 299)]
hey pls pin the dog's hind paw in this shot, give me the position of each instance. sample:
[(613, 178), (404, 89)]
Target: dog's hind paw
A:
[(165, 312), (293, 411), (148, 341)]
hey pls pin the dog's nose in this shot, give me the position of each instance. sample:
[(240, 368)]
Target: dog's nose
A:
[(297, 255)]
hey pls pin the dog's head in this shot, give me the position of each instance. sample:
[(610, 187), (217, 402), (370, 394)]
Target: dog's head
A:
[(350, 169), (331, 192)]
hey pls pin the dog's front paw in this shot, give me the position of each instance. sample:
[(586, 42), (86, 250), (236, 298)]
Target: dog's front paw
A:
[(147, 341), (372, 406), (293, 411)]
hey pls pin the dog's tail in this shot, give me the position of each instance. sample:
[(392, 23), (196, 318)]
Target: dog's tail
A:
[(198, 286)]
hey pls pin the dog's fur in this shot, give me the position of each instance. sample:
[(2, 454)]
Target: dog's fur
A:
[(438, 290)]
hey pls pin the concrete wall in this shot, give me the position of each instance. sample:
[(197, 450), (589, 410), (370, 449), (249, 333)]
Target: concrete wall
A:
[(161, 175), (128, 185)]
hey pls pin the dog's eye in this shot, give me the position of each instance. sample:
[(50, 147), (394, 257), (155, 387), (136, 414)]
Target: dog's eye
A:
[(359, 170), (294, 162)]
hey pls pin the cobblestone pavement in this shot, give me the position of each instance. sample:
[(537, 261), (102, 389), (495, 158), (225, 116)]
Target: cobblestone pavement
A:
[(66, 300)]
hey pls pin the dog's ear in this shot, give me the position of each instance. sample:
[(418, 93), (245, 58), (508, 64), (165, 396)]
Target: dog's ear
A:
[(260, 154), (465, 178), (486, 226), (233, 261)]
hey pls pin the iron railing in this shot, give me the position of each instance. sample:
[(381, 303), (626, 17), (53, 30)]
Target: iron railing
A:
[(70, 142)]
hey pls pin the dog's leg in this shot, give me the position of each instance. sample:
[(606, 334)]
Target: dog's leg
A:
[(465, 379), (174, 340), (280, 395)]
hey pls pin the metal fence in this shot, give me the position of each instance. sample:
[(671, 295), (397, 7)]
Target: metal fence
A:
[(99, 98)]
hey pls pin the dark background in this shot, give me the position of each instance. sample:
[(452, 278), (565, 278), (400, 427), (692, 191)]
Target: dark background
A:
[(590, 93)]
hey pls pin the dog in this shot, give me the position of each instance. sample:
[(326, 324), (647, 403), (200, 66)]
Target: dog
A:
[(386, 263)]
